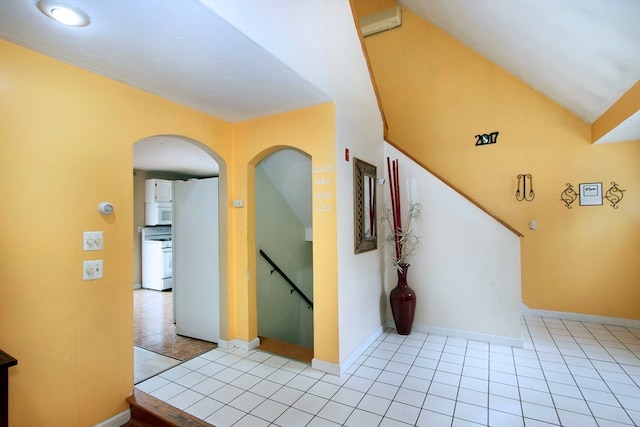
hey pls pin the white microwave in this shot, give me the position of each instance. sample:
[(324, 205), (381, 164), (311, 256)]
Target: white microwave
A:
[(157, 213)]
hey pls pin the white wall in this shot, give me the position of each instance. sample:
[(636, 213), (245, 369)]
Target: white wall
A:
[(335, 64), (466, 275)]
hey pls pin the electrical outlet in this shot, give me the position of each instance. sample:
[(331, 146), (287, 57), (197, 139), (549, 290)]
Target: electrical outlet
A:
[(92, 270), (92, 241)]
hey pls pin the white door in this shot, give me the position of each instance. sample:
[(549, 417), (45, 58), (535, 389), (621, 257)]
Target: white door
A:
[(196, 263)]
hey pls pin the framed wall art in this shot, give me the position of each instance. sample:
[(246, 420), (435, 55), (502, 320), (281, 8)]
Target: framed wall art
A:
[(591, 194)]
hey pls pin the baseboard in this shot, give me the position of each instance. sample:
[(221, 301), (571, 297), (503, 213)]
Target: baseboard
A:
[(350, 360), (579, 317), (225, 345), (117, 420), (327, 367), (247, 345), (236, 343), (470, 335), (137, 286), (339, 369)]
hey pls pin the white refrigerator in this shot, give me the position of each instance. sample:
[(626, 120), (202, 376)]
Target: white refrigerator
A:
[(196, 264)]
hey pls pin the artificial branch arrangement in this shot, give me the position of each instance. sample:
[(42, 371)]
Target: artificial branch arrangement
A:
[(402, 237)]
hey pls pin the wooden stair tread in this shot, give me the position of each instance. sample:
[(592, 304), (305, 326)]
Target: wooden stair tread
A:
[(147, 411)]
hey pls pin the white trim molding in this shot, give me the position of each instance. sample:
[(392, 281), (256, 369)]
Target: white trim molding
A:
[(328, 367), (236, 343), (117, 420), (339, 369), (470, 335), (579, 317), (225, 345)]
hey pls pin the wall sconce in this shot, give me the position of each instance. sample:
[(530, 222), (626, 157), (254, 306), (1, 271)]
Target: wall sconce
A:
[(522, 193), (568, 196), (614, 195)]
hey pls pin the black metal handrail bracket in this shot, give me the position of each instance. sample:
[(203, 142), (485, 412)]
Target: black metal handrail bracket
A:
[(284, 276)]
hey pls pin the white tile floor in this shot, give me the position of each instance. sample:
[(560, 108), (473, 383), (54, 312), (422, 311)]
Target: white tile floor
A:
[(147, 364), (568, 373)]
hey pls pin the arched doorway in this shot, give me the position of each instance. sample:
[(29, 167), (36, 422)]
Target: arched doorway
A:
[(284, 252), (178, 160)]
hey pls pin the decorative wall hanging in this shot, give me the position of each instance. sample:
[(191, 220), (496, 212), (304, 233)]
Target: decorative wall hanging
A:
[(522, 193), (569, 196), (591, 194), (487, 138), (614, 195)]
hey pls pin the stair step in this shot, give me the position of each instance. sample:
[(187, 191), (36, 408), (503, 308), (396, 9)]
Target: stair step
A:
[(282, 348), (147, 411)]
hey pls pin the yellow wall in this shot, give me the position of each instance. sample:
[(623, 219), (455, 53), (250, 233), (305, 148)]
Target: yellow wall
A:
[(66, 143), (311, 130), (438, 94)]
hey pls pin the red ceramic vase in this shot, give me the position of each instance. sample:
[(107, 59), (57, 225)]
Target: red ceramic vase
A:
[(403, 303)]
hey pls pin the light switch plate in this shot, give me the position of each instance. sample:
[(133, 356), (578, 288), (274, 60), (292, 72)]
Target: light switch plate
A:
[(92, 241), (92, 270)]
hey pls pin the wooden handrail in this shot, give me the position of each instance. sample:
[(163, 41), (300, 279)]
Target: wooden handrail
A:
[(457, 190)]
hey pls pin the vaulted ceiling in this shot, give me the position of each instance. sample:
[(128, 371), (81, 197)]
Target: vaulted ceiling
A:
[(582, 54), (241, 60)]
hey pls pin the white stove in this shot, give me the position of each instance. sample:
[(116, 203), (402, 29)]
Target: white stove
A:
[(157, 258)]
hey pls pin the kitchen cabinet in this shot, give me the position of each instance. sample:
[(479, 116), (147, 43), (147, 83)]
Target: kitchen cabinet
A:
[(158, 191)]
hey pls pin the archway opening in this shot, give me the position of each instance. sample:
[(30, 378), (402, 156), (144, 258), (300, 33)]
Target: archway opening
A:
[(171, 159), (284, 253)]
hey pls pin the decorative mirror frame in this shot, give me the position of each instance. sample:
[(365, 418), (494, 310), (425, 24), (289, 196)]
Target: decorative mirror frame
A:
[(364, 207)]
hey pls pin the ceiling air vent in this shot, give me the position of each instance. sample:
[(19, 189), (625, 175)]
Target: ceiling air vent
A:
[(381, 21)]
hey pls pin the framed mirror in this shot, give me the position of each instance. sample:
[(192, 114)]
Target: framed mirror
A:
[(364, 206)]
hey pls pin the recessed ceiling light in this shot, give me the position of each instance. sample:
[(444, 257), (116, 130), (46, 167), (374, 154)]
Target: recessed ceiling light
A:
[(64, 13)]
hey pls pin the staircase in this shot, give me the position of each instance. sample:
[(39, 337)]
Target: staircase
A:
[(147, 411)]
